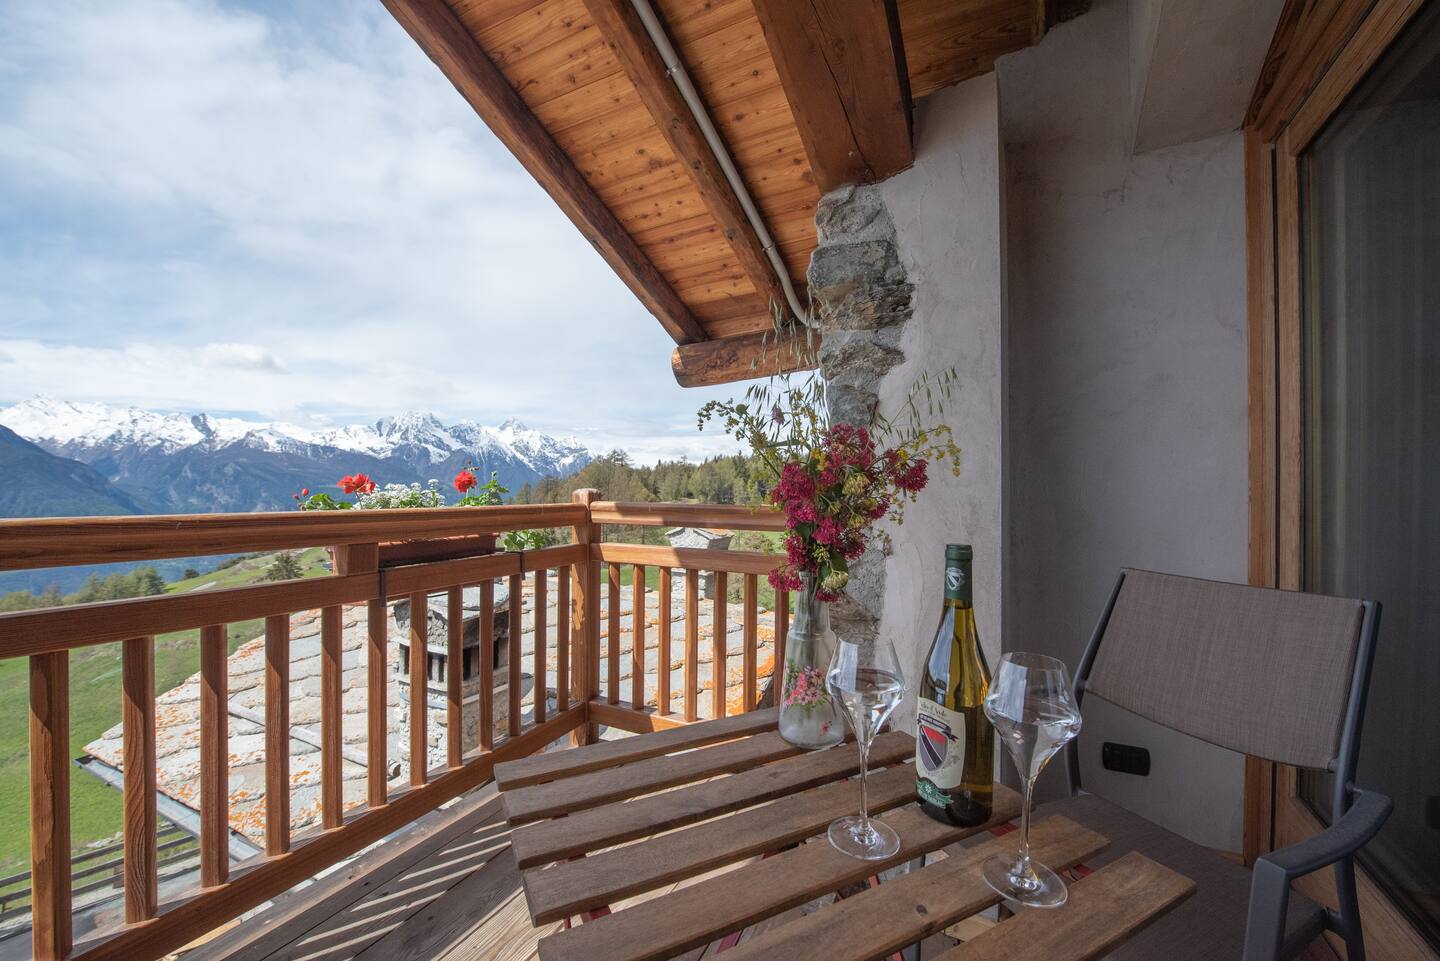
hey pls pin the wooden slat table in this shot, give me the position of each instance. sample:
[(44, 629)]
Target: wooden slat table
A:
[(712, 795)]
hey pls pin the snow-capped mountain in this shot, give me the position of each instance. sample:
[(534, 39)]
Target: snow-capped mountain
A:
[(192, 462)]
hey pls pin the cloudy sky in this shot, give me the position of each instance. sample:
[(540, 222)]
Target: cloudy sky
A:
[(280, 213)]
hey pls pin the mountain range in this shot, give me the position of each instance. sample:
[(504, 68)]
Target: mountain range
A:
[(39, 484), (155, 462)]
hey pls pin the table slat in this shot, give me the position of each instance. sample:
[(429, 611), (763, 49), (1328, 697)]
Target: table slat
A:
[(1103, 911), (551, 766), (566, 889), (697, 914), (914, 906), (613, 823), (555, 798)]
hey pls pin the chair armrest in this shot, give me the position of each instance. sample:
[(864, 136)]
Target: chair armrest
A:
[(1270, 882), (1341, 839)]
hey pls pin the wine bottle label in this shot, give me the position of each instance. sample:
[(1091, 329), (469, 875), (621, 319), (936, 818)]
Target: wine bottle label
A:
[(939, 744)]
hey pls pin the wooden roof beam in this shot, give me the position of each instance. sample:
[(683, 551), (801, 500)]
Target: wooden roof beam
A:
[(744, 357), (437, 30), (626, 35), (842, 64)]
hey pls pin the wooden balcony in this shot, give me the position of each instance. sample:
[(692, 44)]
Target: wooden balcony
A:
[(576, 657)]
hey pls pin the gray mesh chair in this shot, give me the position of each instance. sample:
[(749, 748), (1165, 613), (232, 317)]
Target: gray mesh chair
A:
[(1280, 675)]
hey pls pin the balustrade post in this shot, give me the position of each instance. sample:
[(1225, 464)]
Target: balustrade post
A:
[(138, 725), (50, 805), (363, 559), (332, 717), (277, 734), (214, 757), (584, 618), (419, 693)]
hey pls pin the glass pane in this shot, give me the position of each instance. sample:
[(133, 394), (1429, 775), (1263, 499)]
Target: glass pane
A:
[(1371, 224)]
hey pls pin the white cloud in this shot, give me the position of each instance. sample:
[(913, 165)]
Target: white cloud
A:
[(242, 357), (211, 197)]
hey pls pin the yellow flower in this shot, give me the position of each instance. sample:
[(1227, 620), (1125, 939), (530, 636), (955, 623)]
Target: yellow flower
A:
[(836, 581), (855, 484)]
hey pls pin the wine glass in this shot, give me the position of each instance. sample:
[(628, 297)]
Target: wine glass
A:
[(864, 677), (1032, 710)]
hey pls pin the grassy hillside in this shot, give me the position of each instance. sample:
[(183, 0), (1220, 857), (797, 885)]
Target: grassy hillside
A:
[(95, 707), (250, 570)]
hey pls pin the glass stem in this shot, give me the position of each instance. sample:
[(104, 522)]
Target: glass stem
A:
[(864, 771), (1022, 859)]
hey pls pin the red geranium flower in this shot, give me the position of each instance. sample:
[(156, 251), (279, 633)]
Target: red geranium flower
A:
[(464, 481), (356, 484)]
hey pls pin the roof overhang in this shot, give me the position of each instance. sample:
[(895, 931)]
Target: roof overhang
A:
[(802, 98)]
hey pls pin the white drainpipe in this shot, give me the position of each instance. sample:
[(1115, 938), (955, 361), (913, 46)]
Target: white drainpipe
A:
[(676, 69)]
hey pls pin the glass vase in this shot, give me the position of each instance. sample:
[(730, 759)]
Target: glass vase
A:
[(809, 716)]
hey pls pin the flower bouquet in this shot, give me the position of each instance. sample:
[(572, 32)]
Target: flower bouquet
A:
[(834, 482)]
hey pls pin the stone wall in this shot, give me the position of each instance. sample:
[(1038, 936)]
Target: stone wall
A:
[(862, 301), (907, 280)]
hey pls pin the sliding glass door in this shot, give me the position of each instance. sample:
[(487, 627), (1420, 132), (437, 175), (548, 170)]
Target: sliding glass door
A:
[(1369, 192)]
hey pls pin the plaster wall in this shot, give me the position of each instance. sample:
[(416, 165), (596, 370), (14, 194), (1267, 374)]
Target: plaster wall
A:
[(1092, 304), (948, 216), (1193, 65), (1126, 379)]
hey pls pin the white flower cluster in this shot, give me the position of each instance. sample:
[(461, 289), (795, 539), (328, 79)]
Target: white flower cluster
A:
[(401, 495)]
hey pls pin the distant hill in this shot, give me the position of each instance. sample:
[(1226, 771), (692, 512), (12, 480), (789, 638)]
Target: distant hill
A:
[(183, 463), (36, 483)]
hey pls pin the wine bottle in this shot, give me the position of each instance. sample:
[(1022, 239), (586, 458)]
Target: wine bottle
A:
[(954, 740)]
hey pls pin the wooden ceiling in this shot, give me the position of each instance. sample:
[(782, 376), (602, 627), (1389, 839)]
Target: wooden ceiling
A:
[(577, 92)]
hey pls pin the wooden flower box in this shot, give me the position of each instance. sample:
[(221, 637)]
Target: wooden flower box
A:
[(400, 553)]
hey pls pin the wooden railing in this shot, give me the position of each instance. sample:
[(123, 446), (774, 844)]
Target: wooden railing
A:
[(635, 712), (362, 576)]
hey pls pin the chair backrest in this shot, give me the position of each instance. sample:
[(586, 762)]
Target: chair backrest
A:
[(1260, 671)]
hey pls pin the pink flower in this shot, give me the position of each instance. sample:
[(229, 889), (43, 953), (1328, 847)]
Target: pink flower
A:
[(913, 478), (800, 511), (784, 579), (829, 531)]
